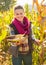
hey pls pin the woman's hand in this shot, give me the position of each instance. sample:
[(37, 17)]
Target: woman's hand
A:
[(18, 43), (37, 41)]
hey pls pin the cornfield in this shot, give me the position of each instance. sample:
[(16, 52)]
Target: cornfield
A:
[(5, 19)]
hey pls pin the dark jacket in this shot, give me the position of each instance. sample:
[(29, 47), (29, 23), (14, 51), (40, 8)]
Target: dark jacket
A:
[(14, 49)]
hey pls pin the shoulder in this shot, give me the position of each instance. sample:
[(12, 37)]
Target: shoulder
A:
[(13, 28)]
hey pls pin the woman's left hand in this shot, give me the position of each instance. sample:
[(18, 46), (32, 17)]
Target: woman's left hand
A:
[(37, 41)]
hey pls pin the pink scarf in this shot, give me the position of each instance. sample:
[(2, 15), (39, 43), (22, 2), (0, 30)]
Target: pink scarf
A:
[(22, 27)]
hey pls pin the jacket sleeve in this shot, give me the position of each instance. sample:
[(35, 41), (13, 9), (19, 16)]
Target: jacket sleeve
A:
[(13, 29), (30, 40), (13, 49), (30, 34)]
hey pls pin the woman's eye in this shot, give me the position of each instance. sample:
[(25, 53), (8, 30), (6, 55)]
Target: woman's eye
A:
[(17, 14), (21, 13)]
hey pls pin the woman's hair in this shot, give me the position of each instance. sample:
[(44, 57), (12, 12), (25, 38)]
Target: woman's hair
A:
[(18, 7)]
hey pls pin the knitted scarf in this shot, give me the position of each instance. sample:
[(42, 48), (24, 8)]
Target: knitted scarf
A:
[(23, 28)]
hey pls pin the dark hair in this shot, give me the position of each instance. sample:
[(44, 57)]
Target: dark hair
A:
[(18, 7)]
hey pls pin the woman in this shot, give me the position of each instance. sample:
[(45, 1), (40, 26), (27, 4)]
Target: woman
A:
[(21, 25)]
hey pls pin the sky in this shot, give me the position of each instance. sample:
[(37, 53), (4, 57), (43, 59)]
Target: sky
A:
[(22, 2)]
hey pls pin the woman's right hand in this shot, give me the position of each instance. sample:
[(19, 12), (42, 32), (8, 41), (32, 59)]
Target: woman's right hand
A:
[(17, 43)]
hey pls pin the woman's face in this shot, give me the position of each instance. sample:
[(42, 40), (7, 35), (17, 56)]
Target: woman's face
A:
[(19, 14)]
